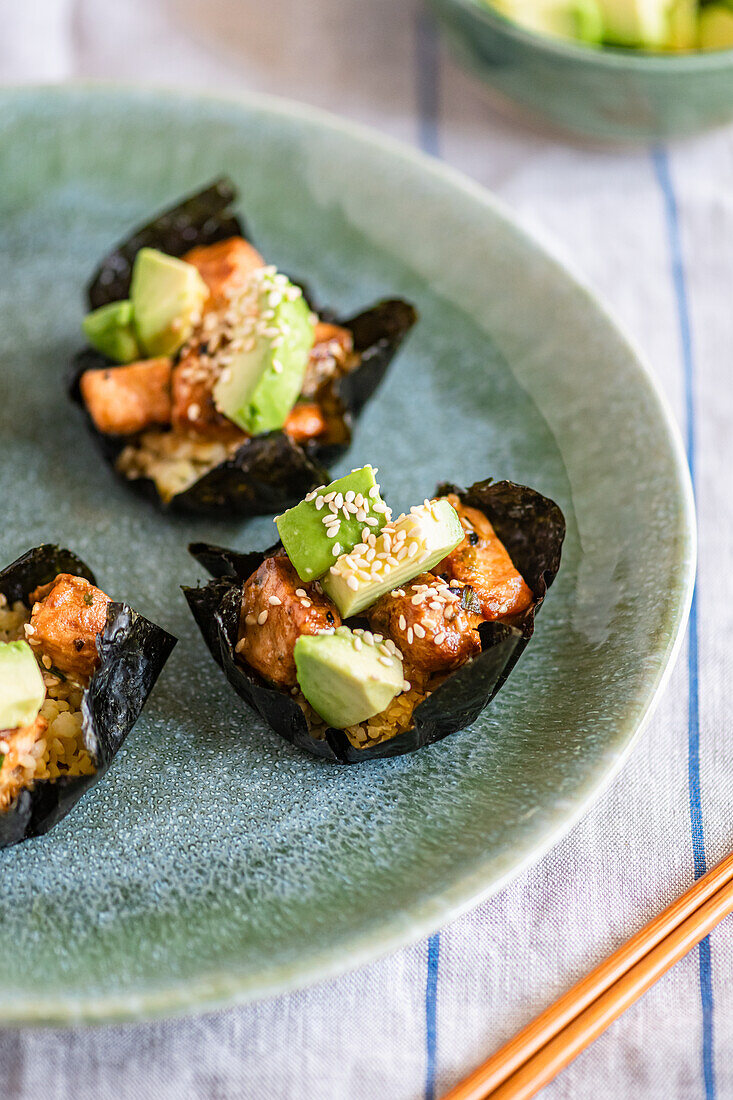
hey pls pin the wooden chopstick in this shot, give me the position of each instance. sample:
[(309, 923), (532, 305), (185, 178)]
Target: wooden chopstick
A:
[(540, 1050)]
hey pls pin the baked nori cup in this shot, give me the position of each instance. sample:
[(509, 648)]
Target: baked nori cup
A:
[(269, 472), (532, 529), (132, 653)]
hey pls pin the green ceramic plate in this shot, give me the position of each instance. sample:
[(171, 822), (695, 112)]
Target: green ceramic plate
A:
[(216, 863)]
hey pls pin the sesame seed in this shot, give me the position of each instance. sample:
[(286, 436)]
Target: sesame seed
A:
[(410, 636), (439, 638), (372, 521), (46, 661), (336, 549), (358, 644), (300, 592), (406, 685), (419, 630), (353, 583), (385, 661), (306, 603), (262, 618), (374, 491), (349, 496), (402, 622), (240, 645), (275, 601)]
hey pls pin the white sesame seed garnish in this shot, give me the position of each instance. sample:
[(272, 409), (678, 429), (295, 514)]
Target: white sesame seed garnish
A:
[(439, 638), (300, 592), (275, 601), (419, 630), (262, 618), (240, 645), (352, 583), (358, 644), (410, 636), (306, 603), (336, 549), (406, 685), (387, 661), (402, 622)]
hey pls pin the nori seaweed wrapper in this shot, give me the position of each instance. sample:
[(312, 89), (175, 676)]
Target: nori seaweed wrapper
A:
[(532, 529), (132, 653), (268, 473)]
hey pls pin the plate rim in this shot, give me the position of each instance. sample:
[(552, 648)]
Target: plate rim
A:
[(227, 988)]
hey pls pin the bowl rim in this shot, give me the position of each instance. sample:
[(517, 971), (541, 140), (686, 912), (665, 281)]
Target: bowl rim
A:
[(611, 57)]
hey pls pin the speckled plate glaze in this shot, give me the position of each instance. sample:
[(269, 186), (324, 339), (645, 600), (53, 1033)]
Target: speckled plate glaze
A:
[(216, 863)]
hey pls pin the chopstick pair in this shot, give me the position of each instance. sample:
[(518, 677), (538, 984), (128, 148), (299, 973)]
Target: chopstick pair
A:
[(536, 1054)]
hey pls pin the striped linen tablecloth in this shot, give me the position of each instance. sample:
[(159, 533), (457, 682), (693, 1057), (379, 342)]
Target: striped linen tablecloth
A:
[(652, 231)]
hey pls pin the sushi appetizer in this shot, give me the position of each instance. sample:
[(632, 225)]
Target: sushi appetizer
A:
[(360, 635), (210, 383), (75, 671)]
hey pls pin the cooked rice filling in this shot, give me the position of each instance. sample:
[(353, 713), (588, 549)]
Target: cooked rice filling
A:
[(395, 719), (53, 746), (172, 460)]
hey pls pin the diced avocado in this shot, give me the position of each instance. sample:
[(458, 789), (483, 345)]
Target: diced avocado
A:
[(316, 531), (431, 531), (262, 383), (716, 27), (22, 690), (167, 297), (642, 23), (345, 677), (110, 329), (683, 25), (579, 19)]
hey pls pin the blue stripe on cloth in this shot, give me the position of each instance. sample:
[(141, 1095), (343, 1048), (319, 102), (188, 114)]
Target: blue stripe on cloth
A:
[(427, 91), (427, 86), (431, 1016), (663, 175)]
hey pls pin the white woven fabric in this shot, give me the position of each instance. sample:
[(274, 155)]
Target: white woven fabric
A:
[(652, 231)]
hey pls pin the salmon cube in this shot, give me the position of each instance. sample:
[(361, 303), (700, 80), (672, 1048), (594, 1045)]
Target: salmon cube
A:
[(67, 616), (128, 399), (225, 266)]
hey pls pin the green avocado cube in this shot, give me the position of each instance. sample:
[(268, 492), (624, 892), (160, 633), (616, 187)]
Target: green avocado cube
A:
[(111, 330), (347, 677), (579, 19), (261, 384), (167, 298), (640, 23), (331, 521), (716, 27), (22, 690), (412, 544)]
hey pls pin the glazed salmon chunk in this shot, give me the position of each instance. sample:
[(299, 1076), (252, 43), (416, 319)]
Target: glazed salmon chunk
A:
[(129, 399), (428, 625), (67, 616), (277, 607), (225, 267), (482, 562)]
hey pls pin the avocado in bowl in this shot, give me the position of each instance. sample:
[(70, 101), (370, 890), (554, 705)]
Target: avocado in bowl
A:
[(559, 65)]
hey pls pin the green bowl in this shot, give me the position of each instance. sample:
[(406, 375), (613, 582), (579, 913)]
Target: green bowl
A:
[(604, 94)]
